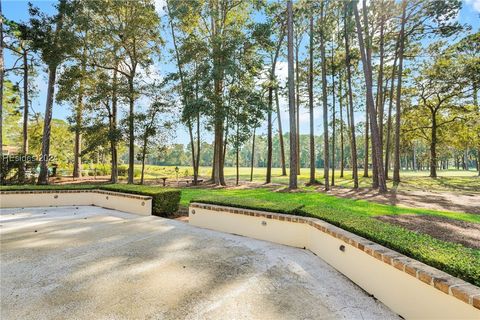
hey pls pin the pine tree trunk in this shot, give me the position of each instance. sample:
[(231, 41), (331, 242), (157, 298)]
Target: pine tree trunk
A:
[(333, 122), (21, 173), (131, 132), (252, 156), (324, 101), (396, 165), (197, 162), (367, 144), (237, 147), (192, 150), (353, 142), (113, 130), (77, 160), (297, 113), (43, 176), (291, 100), (376, 146), (433, 147), (389, 117), (144, 153), (270, 110), (310, 103), (268, 178), (280, 135), (342, 147)]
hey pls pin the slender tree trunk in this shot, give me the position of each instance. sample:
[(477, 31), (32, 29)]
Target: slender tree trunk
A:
[(197, 162), (270, 110), (144, 153), (252, 156), (310, 102), (414, 160), (280, 135), (297, 95), (333, 119), (43, 176), (237, 147), (219, 115), (225, 139), (353, 142), (324, 101), (342, 147), (269, 136), (21, 173), (396, 165), (433, 147), (478, 160), (376, 147), (291, 100), (379, 104), (213, 163), (77, 160), (131, 132), (113, 129), (25, 102), (389, 118), (367, 143), (192, 150)]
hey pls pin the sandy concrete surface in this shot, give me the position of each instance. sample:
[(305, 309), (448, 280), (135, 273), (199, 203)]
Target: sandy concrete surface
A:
[(94, 263)]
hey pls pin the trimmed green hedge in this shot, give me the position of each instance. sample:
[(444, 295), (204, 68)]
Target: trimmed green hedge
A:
[(452, 258), (164, 200), (251, 203)]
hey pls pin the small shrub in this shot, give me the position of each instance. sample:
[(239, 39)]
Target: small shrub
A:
[(122, 170), (165, 201)]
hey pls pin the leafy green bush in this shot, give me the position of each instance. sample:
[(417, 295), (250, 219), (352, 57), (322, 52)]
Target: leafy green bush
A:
[(122, 170), (164, 200)]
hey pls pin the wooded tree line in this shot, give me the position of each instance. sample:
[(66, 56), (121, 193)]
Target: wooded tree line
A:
[(397, 83)]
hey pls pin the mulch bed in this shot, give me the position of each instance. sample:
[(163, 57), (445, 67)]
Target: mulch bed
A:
[(465, 233)]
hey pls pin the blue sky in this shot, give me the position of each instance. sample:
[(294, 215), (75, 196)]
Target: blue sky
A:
[(18, 11)]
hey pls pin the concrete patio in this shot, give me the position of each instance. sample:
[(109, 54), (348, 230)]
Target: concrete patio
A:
[(94, 263)]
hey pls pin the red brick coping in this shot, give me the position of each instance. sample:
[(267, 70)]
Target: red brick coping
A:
[(106, 192), (440, 280)]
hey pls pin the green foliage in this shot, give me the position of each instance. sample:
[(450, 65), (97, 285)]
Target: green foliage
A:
[(256, 204), (164, 200)]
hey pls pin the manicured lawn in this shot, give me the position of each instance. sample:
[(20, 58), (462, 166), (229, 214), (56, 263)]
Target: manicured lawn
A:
[(310, 199)]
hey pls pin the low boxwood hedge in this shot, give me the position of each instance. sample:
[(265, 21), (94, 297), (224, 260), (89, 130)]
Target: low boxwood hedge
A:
[(251, 203), (164, 200)]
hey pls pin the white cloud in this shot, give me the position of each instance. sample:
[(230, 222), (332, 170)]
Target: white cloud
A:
[(474, 3)]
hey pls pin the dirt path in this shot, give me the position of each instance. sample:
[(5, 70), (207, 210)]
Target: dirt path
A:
[(447, 201)]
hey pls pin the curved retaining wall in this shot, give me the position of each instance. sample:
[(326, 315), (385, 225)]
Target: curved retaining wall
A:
[(410, 288), (126, 202)]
